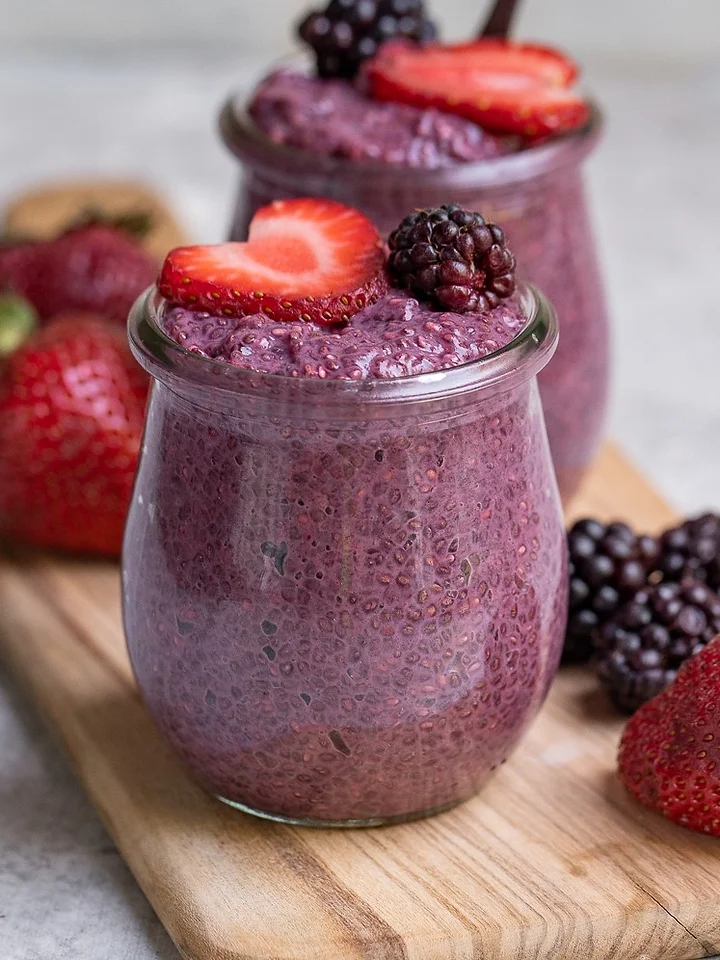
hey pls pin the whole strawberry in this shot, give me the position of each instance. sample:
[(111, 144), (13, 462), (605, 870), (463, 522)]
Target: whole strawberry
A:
[(72, 403), (670, 750), (18, 267), (96, 268)]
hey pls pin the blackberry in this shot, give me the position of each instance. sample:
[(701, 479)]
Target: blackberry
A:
[(347, 32), (643, 646), (454, 257), (692, 550), (608, 563)]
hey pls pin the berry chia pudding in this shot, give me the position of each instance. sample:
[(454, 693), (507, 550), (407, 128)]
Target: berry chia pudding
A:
[(395, 337), (378, 126), (344, 567), (334, 118)]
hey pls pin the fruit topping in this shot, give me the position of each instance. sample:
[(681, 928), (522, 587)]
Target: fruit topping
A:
[(670, 751), (347, 32), (608, 564), (308, 259), (452, 257), (504, 87), (645, 643)]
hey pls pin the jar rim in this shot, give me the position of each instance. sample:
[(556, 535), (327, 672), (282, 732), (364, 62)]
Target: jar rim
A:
[(170, 362), (250, 144)]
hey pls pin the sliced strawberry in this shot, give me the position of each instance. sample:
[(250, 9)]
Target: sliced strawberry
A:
[(532, 60), (307, 259), (504, 87)]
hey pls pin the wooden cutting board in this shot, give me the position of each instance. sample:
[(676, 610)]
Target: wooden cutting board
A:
[(552, 860)]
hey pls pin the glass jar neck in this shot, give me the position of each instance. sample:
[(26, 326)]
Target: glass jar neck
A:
[(223, 387), (303, 172)]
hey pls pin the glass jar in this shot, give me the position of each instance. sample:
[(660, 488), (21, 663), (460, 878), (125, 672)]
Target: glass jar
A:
[(537, 195), (344, 601)]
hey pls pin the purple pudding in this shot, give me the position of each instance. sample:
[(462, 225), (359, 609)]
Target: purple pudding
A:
[(344, 570), (395, 337), (334, 118)]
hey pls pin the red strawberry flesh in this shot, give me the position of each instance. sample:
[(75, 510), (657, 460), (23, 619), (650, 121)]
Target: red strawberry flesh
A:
[(670, 750), (499, 60), (504, 87), (72, 403), (306, 259), (94, 268), (18, 268)]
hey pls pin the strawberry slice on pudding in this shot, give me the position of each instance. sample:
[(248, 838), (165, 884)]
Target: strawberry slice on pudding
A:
[(313, 260), (513, 88)]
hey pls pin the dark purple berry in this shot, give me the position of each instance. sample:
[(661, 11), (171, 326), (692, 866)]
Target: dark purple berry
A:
[(619, 548), (606, 600), (591, 528), (579, 592), (597, 570), (631, 574), (692, 550), (347, 32), (608, 564), (475, 268), (581, 544), (619, 529), (641, 648), (648, 549)]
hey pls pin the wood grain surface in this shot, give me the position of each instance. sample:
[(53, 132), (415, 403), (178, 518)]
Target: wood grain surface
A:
[(551, 860)]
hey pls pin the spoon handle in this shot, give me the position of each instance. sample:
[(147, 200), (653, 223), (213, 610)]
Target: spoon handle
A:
[(499, 21)]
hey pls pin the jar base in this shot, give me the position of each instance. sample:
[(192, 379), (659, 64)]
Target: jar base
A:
[(339, 824)]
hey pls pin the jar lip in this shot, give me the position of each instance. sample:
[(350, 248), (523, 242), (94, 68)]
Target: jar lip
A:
[(249, 143), (518, 361)]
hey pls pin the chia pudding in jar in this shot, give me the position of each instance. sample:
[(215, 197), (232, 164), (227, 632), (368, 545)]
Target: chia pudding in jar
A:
[(344, 568), (336, 130)]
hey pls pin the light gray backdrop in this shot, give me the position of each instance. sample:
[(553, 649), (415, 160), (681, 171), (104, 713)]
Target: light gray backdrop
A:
[(673, 28)]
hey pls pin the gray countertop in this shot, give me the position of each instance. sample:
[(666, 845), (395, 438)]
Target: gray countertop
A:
[(65, 894)]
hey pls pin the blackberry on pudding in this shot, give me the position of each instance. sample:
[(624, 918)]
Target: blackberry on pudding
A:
[(641, 648), (345, 585), (348, 32), (608, 564), (454, 257)]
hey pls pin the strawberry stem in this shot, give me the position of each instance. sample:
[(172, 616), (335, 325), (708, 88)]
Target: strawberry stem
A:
[(18, 321), (137, 223), (500, 20)]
